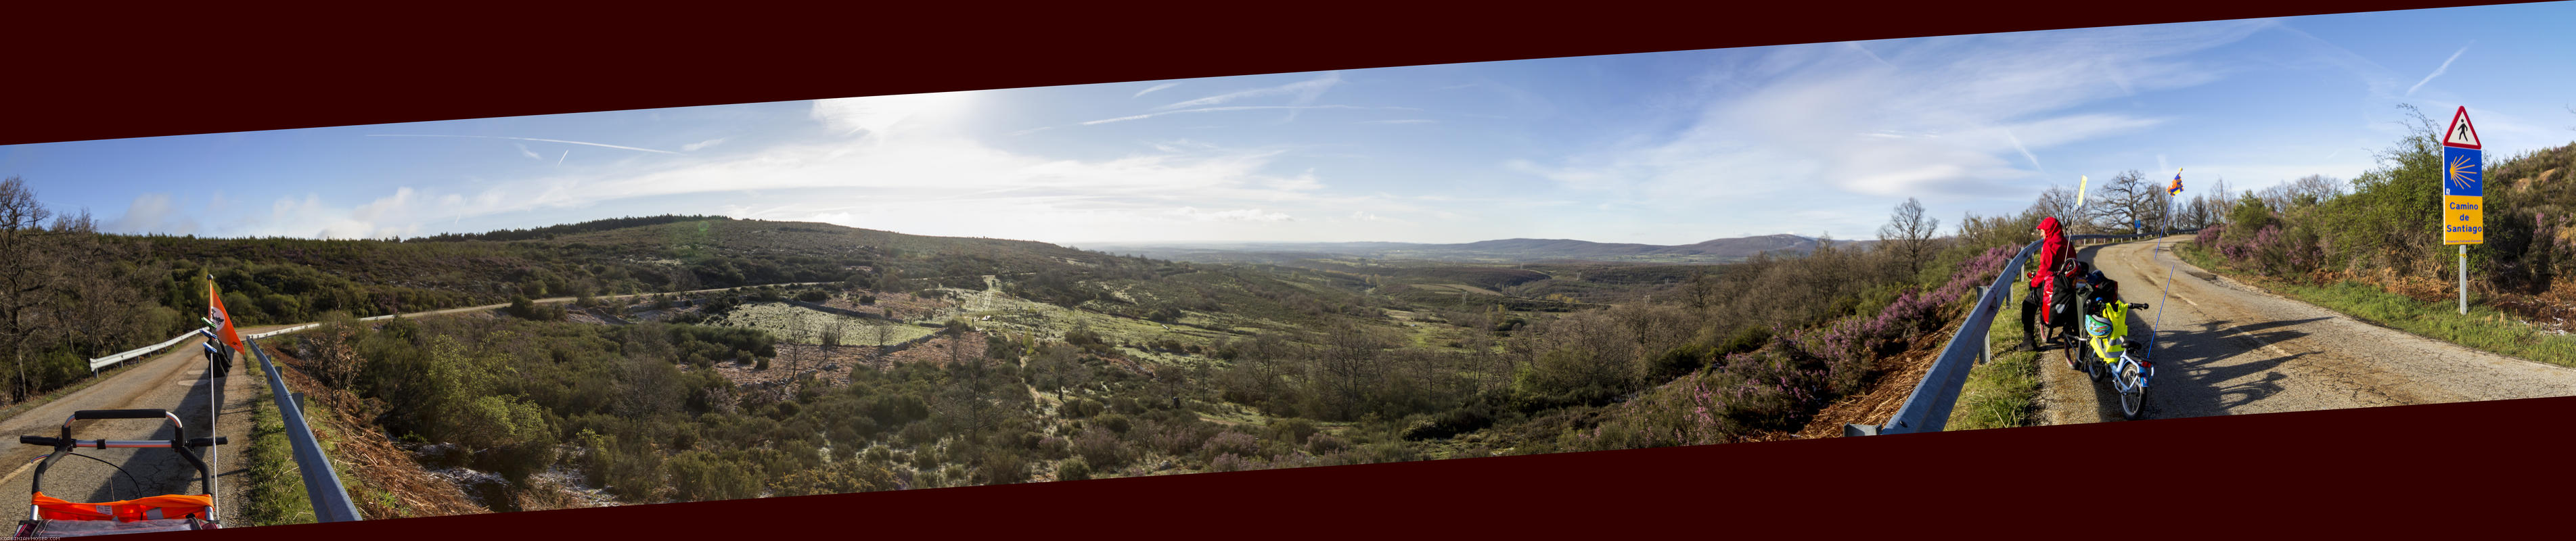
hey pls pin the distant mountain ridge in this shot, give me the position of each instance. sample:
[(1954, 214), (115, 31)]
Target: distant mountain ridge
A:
[(1520, 249)]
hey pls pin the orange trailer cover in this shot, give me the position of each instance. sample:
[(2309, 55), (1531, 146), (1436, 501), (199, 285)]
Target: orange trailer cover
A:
[(170, 506)]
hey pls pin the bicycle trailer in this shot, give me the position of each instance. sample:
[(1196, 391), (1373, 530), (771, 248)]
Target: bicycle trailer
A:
[(49, 516)]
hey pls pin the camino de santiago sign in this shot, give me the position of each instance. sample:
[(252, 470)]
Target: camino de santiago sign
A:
[(2463, 183)]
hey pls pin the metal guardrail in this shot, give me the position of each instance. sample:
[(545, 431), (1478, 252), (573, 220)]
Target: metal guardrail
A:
[(102, 362), (321, 481), (1928, 408)]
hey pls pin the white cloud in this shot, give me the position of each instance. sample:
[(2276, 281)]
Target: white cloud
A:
[(1935, 116), (397, 215), (523, 151), (602, 145), (153, 213), (1218, 109), (1306, 92), (1401, 121), (1242, 215), (936, 183), (881, 116), (702, 145)]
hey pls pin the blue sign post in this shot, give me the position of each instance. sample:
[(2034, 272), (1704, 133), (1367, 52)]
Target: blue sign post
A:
[(2463, 193)]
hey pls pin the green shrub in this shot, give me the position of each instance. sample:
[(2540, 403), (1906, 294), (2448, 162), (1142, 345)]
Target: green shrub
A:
[(1073, 469)]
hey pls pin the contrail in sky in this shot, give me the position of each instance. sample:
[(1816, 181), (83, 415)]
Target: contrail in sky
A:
[(2437, 72)]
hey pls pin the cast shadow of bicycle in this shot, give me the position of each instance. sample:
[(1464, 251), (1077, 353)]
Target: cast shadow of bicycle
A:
[(133, 473), (2198, 369)]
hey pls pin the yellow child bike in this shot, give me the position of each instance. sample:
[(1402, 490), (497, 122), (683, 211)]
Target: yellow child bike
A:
[(2125, 362)]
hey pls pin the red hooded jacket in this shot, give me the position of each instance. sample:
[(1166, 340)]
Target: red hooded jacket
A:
[(2052, 251)]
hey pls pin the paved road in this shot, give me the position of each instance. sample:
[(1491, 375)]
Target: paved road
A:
[(2230, 349), (175, 381)]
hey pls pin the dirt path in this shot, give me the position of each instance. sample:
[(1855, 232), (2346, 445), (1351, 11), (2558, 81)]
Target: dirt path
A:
[(2231, 349)]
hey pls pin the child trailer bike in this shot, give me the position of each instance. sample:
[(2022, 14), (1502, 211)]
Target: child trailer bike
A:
[(48, 516), (2111, 354)]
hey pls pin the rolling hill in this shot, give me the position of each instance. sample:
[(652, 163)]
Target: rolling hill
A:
[(1489, 251)]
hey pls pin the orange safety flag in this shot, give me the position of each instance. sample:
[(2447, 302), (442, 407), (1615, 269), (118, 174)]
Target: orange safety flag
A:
[(223, 318), (144, 508)]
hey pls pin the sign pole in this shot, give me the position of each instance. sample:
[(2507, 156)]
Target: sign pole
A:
[(2463, 191)]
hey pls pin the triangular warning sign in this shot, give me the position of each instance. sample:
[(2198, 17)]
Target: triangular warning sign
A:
[(2461, 133)]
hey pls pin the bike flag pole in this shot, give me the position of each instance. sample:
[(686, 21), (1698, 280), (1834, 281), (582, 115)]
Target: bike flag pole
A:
[(2166, 246)]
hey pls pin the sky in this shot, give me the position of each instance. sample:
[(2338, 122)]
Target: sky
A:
[(1820, 139)]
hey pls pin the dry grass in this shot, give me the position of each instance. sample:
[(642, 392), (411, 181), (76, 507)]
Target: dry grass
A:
[(1898, 374), (362, 452)]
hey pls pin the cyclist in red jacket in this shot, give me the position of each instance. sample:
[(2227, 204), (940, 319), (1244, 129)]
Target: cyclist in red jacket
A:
[(2044, 268)]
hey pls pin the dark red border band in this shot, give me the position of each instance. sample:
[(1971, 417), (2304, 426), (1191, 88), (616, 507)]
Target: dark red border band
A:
[(133, 73)]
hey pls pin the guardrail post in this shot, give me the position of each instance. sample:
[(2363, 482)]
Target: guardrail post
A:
[(1989, 355)]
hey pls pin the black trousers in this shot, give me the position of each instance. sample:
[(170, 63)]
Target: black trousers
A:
[(2029, 314)]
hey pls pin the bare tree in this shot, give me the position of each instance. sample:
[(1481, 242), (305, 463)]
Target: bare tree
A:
[(1348, 359), (24, 274), (885, 338), (1909, 233), (2127, 200), (2215, 201), (335, 348), (2058, 201), (2314, 189)]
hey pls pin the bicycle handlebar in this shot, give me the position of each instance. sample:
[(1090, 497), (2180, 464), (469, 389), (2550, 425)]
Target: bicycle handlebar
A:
[(48, 441), (119, 414)]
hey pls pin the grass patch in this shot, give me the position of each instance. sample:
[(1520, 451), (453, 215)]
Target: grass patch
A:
[(2483, 328), (276, 491), (791, 324), (2002, 393)]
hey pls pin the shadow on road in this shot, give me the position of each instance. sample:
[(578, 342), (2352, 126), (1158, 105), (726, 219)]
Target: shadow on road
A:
[(142, 472), (2194, 364)]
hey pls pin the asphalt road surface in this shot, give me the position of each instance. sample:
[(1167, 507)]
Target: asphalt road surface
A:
[(2225, 348), (176, 381)]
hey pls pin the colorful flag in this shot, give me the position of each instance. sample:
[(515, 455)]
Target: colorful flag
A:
[(2176, 189), (221, 318)]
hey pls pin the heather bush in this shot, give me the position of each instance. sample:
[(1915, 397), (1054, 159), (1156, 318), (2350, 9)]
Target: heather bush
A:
[(1293, 430), (1114, 422), (1794, 373), (1073, 469), (1054, 448), (1228, 462), (1099, 447), (1326, 444), (1001, 467), (1232, 443), (1174, 437)]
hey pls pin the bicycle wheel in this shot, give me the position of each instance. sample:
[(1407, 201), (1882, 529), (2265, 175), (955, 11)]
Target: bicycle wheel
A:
[(2133, 401), (2072, 350)]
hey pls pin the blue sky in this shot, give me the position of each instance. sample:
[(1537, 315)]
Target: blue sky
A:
[(1659, 148)]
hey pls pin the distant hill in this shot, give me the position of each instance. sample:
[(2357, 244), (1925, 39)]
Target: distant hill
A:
[(1489, 251)]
